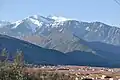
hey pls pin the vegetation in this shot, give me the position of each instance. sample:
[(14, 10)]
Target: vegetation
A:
[(15, 70)]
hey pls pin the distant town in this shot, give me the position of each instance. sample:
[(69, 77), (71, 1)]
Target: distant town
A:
[(80, 72)]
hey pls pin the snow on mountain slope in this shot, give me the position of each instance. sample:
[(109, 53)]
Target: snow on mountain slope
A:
[(16, 23), (35, 22), (31, 23)]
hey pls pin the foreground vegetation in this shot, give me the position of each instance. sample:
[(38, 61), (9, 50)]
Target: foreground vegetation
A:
[(15, 70)]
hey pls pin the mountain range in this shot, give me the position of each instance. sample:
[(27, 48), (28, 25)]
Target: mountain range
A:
[(39, 25), (83, 43)]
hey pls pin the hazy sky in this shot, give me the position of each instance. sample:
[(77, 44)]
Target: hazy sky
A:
[(106, 11)]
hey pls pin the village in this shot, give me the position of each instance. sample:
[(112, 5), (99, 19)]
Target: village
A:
[(82, 72)]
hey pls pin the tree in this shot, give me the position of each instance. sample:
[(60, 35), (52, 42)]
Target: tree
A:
[(4, 55), (19, 59), (4, 52)]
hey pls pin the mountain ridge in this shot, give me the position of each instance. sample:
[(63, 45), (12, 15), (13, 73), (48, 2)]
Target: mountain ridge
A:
[(37, 55), (43, 25)]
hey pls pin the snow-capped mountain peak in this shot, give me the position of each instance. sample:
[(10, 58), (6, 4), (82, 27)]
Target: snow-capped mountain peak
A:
[(58, 18)]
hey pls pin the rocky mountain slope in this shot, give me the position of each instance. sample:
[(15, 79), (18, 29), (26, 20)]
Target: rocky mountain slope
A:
[(37, 55), (64, 42)]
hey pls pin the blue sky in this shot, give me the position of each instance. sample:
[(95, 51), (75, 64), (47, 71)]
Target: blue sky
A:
[(106, 11)]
